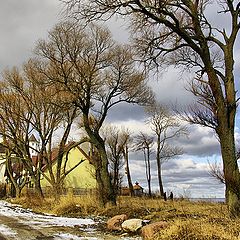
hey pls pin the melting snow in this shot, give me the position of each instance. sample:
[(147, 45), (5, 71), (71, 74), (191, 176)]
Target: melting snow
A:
[(29, 217), (69, 236), (40, 221), (5, 230)]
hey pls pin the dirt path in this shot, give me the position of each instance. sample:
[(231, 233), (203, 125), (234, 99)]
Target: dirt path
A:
[(17, 223), (20, 224)]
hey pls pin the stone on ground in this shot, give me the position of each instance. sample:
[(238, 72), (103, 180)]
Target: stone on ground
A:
[(150, 230), (114, 223), (132, 225)]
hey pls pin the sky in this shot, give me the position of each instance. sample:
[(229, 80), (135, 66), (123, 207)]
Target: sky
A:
[(23, 22)]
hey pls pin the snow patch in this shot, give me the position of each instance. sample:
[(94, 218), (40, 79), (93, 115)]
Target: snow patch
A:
[(6, 231), (69, 236), (27, 216)]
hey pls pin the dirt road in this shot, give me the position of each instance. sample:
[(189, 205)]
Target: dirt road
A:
[(20, 224), (17, 223)]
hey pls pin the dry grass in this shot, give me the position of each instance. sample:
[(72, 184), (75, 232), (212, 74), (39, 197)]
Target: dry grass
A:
[(187, 220), (201, 229), (75, 206), (68, 205)]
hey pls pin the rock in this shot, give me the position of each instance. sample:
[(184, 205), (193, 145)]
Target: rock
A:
[(150, 230), (132, 225), (114, 223)]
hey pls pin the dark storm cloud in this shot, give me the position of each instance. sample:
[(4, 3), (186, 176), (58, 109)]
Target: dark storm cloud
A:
[(126, 112), (170, 88), (201, 141), (22, 23)]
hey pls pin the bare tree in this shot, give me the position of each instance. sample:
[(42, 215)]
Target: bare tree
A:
[(144, 143), (15, 127), (52, 111), (128, 144), (216, 172), (15, 173), (98, 74), (115, 143), (42, 110), (180, 33), (166, 127)]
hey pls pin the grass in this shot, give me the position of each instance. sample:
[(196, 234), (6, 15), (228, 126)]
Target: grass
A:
[(187, 220)]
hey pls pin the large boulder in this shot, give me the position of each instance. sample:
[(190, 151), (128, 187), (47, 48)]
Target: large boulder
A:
[(114, 223), (132, 225), (150, 230)]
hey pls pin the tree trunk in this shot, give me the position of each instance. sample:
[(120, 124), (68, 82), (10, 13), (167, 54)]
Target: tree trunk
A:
[(231, 171), (225, 114), (15, 189), (57, 190), (106, 193), (149, 174), (105, 188), (159, 168), (18, 192), (130, 185), (148, 169), (37, 187), (115, 179)]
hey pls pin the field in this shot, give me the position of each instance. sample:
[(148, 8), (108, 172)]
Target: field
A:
[(187, 220)]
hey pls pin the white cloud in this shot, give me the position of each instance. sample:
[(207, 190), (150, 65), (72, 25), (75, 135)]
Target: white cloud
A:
[(237, 137), (201, 141), (183, 176), (134, 126)]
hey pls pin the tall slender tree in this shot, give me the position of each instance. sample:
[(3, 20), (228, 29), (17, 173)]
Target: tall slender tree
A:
[(144, 143), (128, 144), (166, 127)]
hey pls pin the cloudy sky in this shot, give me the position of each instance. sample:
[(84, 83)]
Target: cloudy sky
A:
[(23, 22)]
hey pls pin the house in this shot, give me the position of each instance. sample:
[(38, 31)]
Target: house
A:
[(137, 189), (80, 179), (34, 146), (2, 164), (5, 185)]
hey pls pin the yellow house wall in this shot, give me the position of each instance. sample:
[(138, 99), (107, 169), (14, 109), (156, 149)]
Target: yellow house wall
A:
[(80, 177), (2, 168)]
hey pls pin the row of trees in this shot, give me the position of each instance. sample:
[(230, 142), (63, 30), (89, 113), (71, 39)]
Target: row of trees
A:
[(184, 34), (156, 146), (28, 107), (77, 75)]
